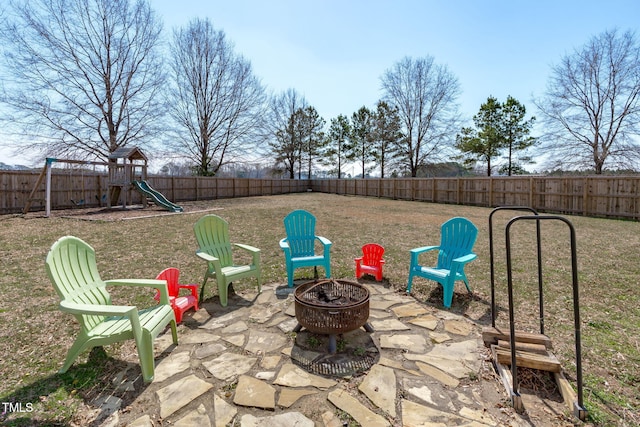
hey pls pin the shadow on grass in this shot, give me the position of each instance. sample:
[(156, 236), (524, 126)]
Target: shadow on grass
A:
[(55, 400), (461, 304)]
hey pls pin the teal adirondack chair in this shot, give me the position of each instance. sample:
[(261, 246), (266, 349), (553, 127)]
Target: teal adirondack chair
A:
[(71, 266), (458, 235), (212, 234), (299, 245)]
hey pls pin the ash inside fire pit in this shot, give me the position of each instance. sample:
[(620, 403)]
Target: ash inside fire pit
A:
[(326, 309)]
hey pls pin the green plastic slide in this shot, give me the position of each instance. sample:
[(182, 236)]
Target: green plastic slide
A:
[(157, 197)]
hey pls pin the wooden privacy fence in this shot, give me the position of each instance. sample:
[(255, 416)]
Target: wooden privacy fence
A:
[(602, 196), (89, 189)]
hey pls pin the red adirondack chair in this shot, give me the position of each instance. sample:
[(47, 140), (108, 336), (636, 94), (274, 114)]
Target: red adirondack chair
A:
[(180, 304), (371, 261)]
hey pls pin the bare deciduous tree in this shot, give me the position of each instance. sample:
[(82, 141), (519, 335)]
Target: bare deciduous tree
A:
[(216, 98), (425, 95), (284, 130), (82, 77), (591, 107)]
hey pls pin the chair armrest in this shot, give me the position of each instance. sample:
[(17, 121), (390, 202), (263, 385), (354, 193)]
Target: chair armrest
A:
[(192, 288), (415, 254), (324, 241), (423, 249), (284, 245), (246, 247), (465, 259), (205, 256), (98, 310), (160, 285)]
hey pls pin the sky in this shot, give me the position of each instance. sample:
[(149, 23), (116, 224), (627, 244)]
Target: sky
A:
[(334, 52)]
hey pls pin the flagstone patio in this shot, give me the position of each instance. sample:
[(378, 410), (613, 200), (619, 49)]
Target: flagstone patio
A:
[(233, 367)]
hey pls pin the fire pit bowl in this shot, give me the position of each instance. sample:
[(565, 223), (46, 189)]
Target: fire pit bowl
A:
[(332, 307)]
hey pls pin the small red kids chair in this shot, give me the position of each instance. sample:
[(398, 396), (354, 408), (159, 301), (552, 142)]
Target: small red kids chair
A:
[(371, 261), (180, 304)]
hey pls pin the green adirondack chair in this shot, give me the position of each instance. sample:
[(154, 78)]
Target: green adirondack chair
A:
[(458, 235), (212, 234), (71, 266), (299, 245)]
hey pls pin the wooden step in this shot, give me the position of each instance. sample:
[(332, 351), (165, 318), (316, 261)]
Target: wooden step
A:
[(492, 335), (529, 360), (524, 346)]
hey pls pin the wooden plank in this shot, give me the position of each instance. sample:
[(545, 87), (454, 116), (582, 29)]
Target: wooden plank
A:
[(492, 335), (529, 360), (507, 382), (524, 346), (568, 395)]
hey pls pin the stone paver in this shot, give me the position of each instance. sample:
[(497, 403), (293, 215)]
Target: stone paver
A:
[(412, 342), (288, 396), (229, 365), (380, 387), (178, 394), (293, 376), (288, 419), (357, 410), (197, 417), (254, 392), (172, 365), (224, 412), (429, 321), (233, 366)]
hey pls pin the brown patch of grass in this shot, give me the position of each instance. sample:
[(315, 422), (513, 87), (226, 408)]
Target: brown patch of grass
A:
[(37, 335)]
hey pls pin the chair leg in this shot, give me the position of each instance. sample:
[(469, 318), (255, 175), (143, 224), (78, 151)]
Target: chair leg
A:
[(145, 353), (206, 277), (78, 347), (223, 291), (174, 332), (259, 279), (290, 271), (447, 294), (409, 282)]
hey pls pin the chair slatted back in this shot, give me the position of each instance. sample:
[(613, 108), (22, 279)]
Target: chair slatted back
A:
[(212, 234), (372, 254), (458, 235), (300, 227), (72, 269), (172, 276)]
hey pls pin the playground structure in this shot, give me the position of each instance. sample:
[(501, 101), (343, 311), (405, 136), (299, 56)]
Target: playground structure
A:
[(126, 165), (127, 171)]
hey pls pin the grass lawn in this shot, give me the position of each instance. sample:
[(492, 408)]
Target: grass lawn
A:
[(36, 335)]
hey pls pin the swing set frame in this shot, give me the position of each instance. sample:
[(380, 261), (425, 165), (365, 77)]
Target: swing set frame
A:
[(46, 173)]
